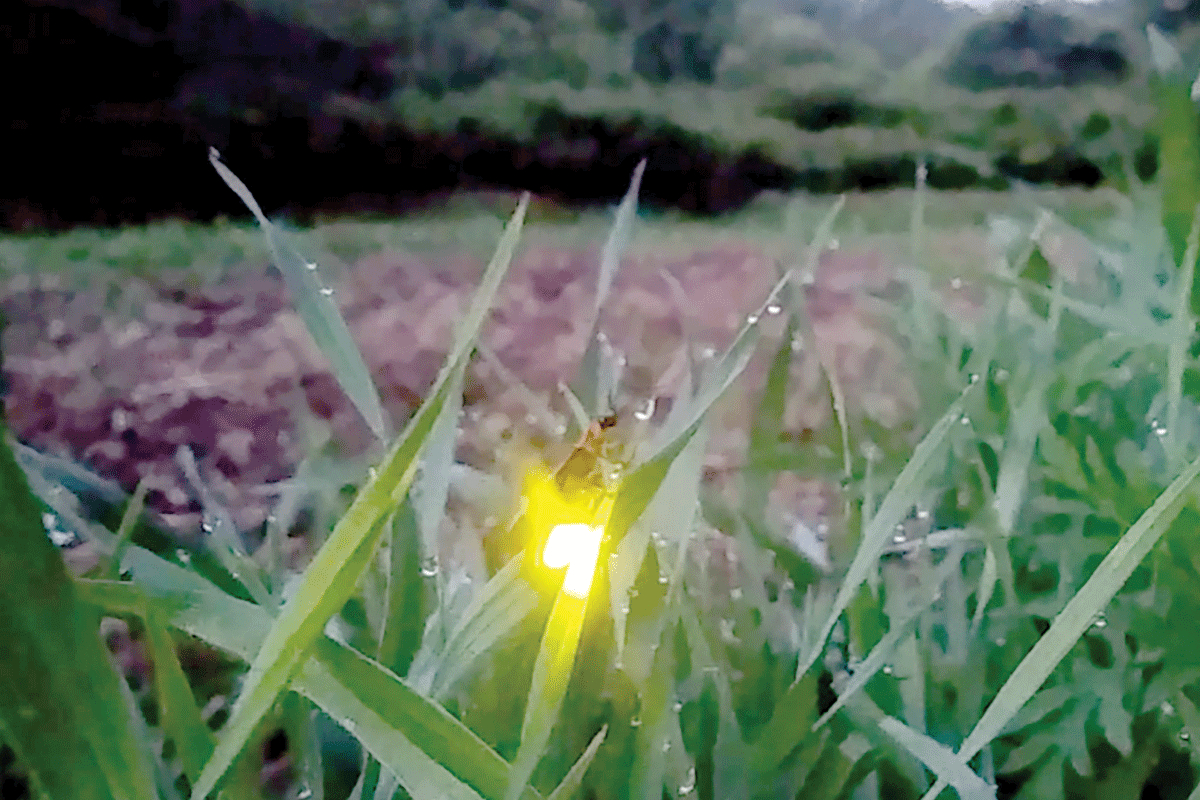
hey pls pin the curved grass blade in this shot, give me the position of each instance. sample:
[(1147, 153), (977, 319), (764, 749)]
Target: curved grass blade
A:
[(1078, 615), (63, 711), (940, 759), (316, 306), (222, 536), (490, 618), (571, 782), (331, 577), (587, 386), (409, 734), (1183, 325), (548, 688), (903, 496)]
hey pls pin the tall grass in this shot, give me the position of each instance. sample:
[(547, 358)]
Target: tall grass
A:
[(1013, 612)]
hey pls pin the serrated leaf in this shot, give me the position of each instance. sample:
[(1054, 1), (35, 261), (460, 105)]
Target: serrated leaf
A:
[(1078, 615)]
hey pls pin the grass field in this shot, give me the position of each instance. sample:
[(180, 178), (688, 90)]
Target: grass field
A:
[(992, 595)]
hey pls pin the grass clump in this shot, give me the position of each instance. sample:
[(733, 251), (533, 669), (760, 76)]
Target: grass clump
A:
[(1001, 602)]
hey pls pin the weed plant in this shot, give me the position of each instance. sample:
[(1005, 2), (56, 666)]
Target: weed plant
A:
[(1010, 609)]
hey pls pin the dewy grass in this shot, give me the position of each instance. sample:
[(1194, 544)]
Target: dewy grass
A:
[(725, 663)]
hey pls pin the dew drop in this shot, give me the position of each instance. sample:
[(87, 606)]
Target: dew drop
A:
[(184, 556), (708, 352), (689, 783), (965, 420), (1100, 621), (666, 745), (662, 578), (645, 411), (636, 722), (372, 473), (327, 291), (677, 706), (974, 377), (887, 669), (310, 265), (1184, 736), (922, 513), (797, 344), (304, 794), (956, 283), (752, 319), (774, 308), (735, 593), (429, 567)]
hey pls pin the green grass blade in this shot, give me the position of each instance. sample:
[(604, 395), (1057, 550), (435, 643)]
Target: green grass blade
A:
[(404, 612), (649, 761), (721, 374), (904, 494), (1183, 326), (571, 782), (587, 385), (503, 604), (618, 237), (548, 688), (63, 711), (1078, 615), (881, 652), (315, 303), (330, 579), (410, 735), (940, 759), (222, 536)]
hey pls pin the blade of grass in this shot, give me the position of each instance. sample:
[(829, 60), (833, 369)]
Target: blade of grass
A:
[(316, 306), (125, 530), (940, 759), (222, 536), (904, 494), (63, 711), (503, 604), (571, 782), (548, 687), (587, 388), (1078, 615), (408, 733), (404, 612), (881, 652), (1183, 326), (331, 577)]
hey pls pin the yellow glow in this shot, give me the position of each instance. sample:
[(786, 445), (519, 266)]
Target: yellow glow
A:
[(566, 530), (575, 546)]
